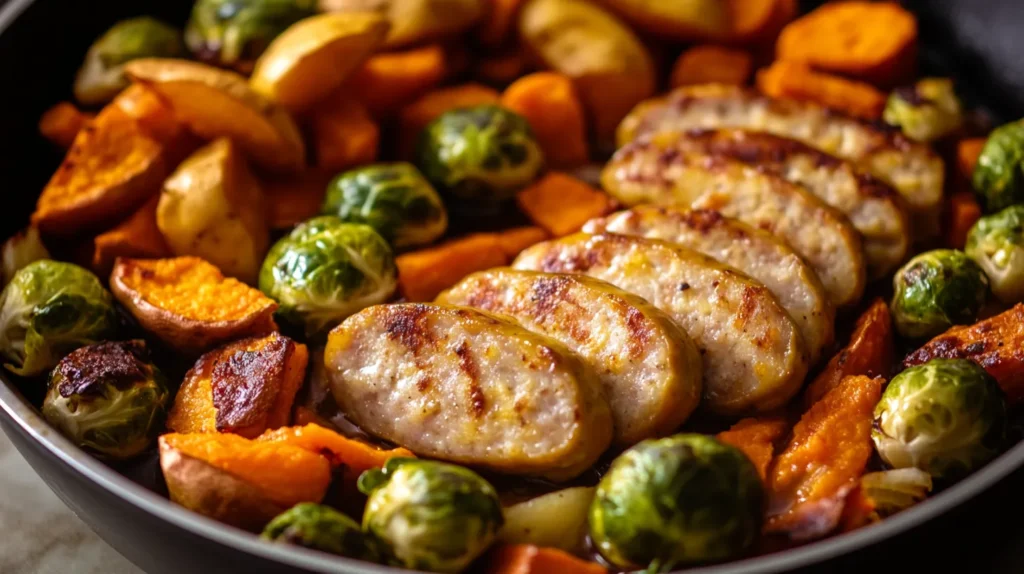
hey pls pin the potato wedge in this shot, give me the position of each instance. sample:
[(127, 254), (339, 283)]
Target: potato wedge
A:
[(675, 19), (315, 55), (138, 236), (612, 69), (237, 481), (415, 21), (555, 520), (112, 168), (246, 387), (188, 304), (213, 207), (216, 103)]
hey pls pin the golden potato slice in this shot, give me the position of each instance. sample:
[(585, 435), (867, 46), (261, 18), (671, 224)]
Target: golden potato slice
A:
[(676, 19), (217, 103), (246, 387), (415, 21), (315, 55), (610, 67), (213, 207), (188, 304)]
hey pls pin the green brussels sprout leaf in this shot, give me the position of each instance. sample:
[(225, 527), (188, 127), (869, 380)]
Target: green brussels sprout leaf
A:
[(946, 417), (321, 528)]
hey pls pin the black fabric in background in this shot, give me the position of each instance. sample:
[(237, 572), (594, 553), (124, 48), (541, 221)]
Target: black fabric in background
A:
[(981, 42)]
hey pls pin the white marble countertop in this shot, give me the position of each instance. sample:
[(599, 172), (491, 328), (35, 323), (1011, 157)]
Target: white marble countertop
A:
[(40, 534)]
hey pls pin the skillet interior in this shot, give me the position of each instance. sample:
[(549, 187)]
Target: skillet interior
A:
[(40, 49)]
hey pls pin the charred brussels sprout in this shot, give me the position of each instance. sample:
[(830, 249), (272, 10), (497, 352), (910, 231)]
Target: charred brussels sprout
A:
[(480, 155), (101, 76), (320, 528), (49, 309), (996, 244), (429, 515), (326, 270), (108, 398), (999, 174), (926, 111), (680, 500), (233, 33), (936, 290), (393, 198), (945, 417)]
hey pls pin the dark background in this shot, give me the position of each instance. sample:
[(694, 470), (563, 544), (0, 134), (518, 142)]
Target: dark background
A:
[(980, 42)]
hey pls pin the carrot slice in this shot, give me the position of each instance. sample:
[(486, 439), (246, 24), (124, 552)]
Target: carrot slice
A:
[(827, 455)]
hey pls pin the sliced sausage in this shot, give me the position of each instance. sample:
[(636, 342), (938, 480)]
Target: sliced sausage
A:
[(757, 253), (754, 358), (913, 169), (874, 208), (649, 366), (640, 173), (466, 386)]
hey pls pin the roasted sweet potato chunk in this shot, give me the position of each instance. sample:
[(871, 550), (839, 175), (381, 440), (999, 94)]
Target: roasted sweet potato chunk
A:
[(561, 204), (238, 481), (138, 237), (997, 344), (516, 239), (425, 273), (112, 168), (530, 559), (188, 303), (825, 458), (870, 352), (61, 123), (246, 387), (344, 133), (388, 81), (757, 438)]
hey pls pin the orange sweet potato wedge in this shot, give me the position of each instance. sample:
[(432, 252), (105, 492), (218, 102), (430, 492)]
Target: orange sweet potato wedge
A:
[(708, 64), (797, 81), (61, 123), (870, 352), (112, 168), (824, 460), (873, 41), (136, 237), (344, 134), (388, 81), (518, 238), (994, 343), (293, 200), (529, 559), (156, 117), (245, 387), (353, 456), (415, 116), (550, 104), (238, 481), (963, 212), (188, 304), (423, 274), (758, 439), (560, 204)]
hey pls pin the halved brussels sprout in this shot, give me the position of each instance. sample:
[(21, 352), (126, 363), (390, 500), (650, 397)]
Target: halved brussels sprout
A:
[(393, 198), (946, 417), (430, 515), (108, 398), (999, 174), (926, 111), (936, 290), (325, 270), (321, 528), (996, 244), (233, 33), (49, 309), (892, 491), (23, 248), (101, 76), (480, 155), (680, 500)]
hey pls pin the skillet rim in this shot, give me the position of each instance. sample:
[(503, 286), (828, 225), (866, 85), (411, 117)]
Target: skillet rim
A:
[(22, 414)]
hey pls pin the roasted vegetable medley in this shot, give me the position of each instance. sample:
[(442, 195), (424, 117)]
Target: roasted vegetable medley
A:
[(526, 286)]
